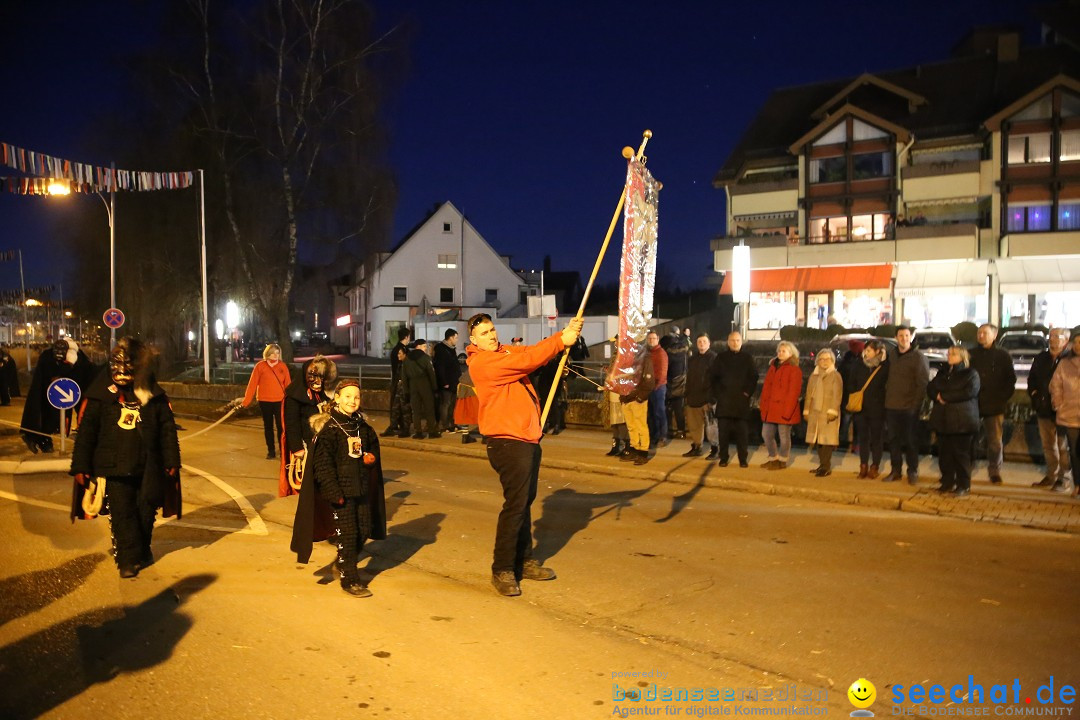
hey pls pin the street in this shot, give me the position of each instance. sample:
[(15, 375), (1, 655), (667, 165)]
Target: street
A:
[(689, 586)]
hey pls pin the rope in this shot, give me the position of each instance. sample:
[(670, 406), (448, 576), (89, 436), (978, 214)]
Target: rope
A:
[(224, 417), (26, 430), (591, 382)]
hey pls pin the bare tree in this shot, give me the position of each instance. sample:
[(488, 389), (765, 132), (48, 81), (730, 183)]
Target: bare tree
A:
[(285, 101)]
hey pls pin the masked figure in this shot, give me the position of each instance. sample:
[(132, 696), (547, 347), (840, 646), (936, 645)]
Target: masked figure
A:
[(40, 419), (305, 396), (127, 440)]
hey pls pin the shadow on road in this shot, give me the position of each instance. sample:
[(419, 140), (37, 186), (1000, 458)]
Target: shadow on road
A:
[(402, 542), (566, 512), (58, 663), (26, 593), (681, 501)]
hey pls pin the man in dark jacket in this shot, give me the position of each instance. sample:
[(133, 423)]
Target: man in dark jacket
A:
[(447, 374), (905, 389), (734, 383), (1055, 443), (418, 374), (997, 383), (700, 422), (398, 424), (678, 349)]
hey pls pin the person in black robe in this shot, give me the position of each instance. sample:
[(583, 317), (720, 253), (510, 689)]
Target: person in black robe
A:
[(40, 420), (127, 440)]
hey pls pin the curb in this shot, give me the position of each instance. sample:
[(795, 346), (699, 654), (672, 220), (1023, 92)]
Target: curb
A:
[(924, 501), (29, 467)]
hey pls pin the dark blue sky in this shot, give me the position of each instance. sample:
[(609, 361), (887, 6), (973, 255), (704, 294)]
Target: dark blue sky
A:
[(516, 112)]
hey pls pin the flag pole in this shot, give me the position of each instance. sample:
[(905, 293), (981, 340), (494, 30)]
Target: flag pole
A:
[(628, 153)]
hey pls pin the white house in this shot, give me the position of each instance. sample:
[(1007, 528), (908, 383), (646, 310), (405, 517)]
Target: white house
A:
[(442, 273)]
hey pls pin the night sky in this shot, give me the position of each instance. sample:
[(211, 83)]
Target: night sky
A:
[(516, 112)]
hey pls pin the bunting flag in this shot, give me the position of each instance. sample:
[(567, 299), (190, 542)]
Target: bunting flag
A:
[(80, 176), (8, 255), (638, 276), (35, 292)]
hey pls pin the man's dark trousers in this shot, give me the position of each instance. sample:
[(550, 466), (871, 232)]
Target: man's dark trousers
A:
[(903, 441), (725, 427), (518, 465)]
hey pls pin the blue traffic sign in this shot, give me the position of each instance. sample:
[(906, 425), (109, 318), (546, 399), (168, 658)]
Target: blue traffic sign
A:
[(64, 393), (113, 318)]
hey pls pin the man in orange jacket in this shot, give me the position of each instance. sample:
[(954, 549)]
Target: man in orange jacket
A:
[(510, 419)]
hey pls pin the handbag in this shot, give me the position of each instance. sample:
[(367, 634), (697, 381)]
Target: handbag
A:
[(854, 401)]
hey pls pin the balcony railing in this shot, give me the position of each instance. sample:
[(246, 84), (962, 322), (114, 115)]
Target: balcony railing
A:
[(950, 167), (745, 188)]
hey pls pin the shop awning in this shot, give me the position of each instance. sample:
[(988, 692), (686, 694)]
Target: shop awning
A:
[(945, 278), (1034, 276), (848, 277)]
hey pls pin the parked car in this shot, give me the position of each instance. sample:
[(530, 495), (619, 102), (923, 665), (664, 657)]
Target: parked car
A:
[(1023, 346), (935, 344)]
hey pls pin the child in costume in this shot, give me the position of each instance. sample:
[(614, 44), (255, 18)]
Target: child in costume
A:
[(346, 471), (127, 440)]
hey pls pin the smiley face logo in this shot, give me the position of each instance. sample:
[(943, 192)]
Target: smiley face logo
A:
[(862, 693)]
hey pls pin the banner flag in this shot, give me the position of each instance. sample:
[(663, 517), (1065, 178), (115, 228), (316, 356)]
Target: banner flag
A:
[(82, 177), (637, 278)]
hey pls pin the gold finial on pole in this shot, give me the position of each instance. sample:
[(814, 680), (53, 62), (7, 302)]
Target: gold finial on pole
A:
[(628, 153)]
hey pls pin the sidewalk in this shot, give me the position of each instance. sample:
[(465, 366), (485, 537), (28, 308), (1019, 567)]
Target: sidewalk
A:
[(1014, 502)]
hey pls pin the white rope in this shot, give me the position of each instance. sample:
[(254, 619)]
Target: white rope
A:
[(224, 417)]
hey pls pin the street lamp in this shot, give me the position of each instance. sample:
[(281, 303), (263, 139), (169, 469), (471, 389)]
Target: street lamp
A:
[(59, 186)]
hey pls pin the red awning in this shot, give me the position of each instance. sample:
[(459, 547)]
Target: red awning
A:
[(853, 277)]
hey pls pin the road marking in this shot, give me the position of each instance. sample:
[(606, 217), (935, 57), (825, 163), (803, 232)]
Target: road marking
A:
[(255, 524)]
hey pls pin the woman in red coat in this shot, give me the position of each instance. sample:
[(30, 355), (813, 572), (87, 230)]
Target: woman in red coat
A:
[(780, 404)]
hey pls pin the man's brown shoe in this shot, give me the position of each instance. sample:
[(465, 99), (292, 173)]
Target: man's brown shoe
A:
[(505, 583), (533, 570)]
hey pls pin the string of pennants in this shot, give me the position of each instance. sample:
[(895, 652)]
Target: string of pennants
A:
[(81, 176), (10, 296)]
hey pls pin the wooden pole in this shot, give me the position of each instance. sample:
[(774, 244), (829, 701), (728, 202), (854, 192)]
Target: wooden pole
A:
[(627, 152)]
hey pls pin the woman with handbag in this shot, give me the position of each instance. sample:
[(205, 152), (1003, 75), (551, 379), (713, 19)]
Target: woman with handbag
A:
[(866, 403), (269, 378), (955, 419), (779, 404)]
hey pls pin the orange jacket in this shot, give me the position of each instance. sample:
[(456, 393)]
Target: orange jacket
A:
[(269, 382), (509, 405)]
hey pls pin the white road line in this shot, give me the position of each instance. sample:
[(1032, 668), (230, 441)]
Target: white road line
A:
[(255, 524)]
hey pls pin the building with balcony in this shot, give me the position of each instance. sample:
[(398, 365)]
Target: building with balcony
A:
[(928, 195)]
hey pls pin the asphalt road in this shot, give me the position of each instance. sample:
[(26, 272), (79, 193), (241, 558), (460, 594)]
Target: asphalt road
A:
[(690, 586)]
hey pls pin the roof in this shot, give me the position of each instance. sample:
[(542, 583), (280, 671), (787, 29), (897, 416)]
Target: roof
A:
[(960, 95)]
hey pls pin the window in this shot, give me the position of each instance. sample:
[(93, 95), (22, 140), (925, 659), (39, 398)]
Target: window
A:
[(1041, 109), (491, 295), (1030, 218), (1033, 148), (446, 295), (834, 137), (400, 294), (872, 165), (1069, 216), (864, 131), (823, 170), (523, 296), (1070, 145), (447, 227), (447, 262)]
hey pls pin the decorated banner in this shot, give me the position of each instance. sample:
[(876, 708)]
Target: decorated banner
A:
[(638, 276), (80, 176)]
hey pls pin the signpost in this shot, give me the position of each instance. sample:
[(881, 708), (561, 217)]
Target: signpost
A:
[(63, 394)]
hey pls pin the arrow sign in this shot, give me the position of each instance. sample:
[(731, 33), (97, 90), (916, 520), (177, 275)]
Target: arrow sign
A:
[(113, 318), (63, 393)]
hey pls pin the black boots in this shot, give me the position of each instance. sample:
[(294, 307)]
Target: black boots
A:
[(694, 451), (713, 453), (616, 448)]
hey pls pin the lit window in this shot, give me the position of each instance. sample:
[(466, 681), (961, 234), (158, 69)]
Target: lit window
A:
[(1070, 145), (1034, 148), (1069, 216), (447, 262)]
